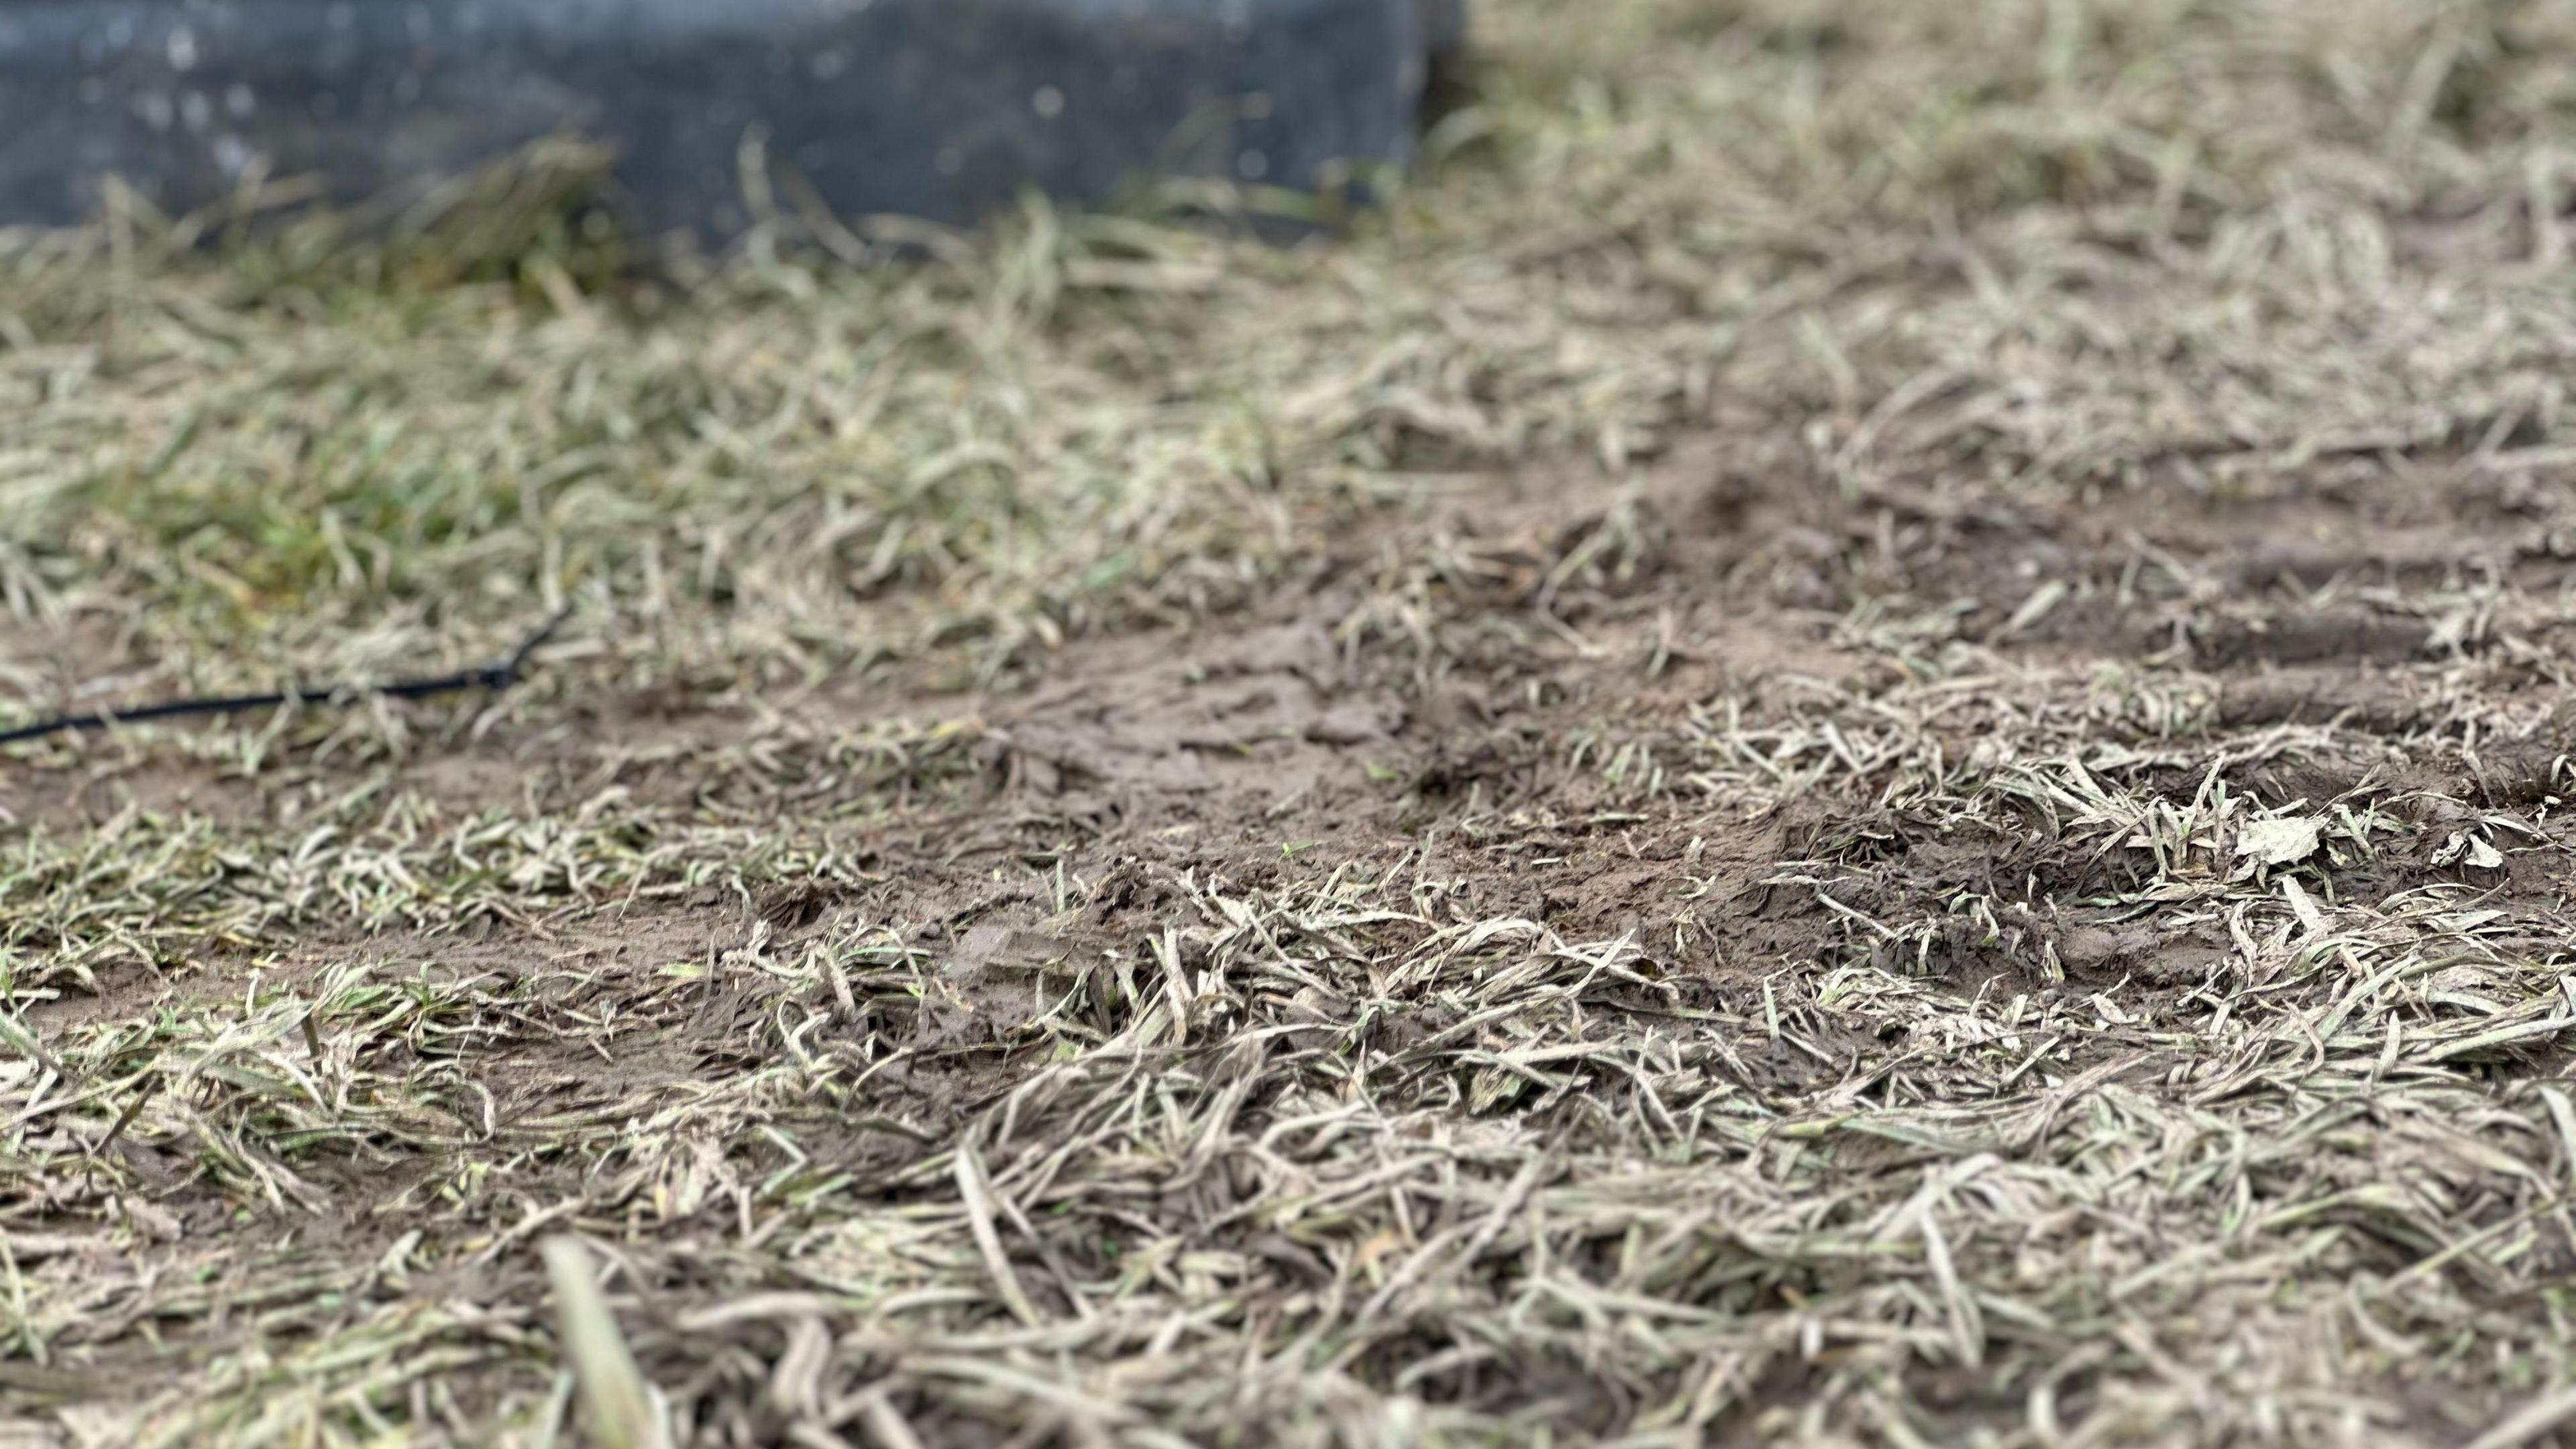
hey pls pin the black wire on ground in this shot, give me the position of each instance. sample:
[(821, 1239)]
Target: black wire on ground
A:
[(495, 677)]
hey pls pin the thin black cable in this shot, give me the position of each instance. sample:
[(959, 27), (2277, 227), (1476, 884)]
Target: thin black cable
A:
[(496, 677)]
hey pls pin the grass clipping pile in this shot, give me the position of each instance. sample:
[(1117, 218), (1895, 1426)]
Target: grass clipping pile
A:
[(1858, 738)]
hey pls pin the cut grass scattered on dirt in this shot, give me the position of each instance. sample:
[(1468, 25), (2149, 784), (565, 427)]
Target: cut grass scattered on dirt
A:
[(1859, 736)]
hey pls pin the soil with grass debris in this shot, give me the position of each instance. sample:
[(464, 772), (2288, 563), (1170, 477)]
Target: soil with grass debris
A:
[(1862, 740)]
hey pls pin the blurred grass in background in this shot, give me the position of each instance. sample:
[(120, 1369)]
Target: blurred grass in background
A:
[(255, 447)]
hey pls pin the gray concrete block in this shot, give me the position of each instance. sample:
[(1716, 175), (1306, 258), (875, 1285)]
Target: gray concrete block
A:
[(941, 109)]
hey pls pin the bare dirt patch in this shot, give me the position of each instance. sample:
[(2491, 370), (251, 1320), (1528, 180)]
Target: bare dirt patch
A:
[(1613, 826), (1864, 739), (1635, 822)]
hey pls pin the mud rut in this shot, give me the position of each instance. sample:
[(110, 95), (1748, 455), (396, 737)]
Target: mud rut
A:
[(1730, 951)]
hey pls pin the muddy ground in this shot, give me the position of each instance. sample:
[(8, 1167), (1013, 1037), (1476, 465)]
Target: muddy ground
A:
[(1861, 735), (1542, 908)]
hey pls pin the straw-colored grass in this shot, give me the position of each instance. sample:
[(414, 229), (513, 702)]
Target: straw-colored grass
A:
[(1856, 736)]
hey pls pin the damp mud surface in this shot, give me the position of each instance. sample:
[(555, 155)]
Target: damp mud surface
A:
[(1542, 824)]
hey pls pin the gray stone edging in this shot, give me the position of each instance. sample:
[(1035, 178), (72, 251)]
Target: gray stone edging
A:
[(940, 109)]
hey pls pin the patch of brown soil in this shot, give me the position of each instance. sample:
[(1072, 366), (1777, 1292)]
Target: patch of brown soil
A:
[(1626, 728)]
